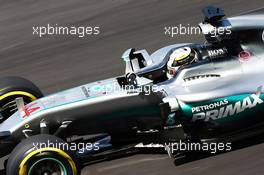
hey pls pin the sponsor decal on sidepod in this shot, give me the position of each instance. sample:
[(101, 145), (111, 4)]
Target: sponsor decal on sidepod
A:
[(227, 110)]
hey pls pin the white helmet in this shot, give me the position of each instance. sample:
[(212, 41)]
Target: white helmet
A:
[(179, 57)]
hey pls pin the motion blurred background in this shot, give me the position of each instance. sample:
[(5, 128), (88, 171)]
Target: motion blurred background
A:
[(58, 62)]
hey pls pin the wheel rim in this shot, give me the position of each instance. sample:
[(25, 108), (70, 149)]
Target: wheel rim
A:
[(47, 166)]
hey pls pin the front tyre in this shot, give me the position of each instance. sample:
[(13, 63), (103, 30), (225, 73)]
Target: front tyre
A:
[(42, 155)]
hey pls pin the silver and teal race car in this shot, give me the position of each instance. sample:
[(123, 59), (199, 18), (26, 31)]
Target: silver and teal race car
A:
[(211, 92)]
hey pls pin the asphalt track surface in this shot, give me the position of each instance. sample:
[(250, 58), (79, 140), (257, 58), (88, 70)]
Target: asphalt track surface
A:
[(55, 63)]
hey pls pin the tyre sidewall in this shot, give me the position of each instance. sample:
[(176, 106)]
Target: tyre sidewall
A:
[(29, 148)]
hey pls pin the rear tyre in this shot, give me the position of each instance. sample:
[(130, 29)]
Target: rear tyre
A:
[(12, 88), (42, 155)]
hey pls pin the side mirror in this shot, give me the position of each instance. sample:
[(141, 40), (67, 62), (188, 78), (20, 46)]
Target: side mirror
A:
[(126, 58), (136, 60)]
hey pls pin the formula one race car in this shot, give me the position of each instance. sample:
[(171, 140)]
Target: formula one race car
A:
[(210, 92)]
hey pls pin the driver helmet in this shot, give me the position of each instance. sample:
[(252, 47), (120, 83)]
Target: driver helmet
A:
[(179, 57)]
